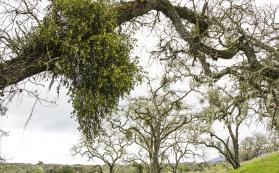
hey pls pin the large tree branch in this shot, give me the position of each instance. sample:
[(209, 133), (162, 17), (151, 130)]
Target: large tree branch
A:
[(26, 65), (36, 61), (17, 69)]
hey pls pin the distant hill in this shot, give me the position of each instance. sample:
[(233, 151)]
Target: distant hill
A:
[(217, 160)]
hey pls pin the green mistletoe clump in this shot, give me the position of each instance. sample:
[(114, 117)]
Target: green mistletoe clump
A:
[(91, 56)]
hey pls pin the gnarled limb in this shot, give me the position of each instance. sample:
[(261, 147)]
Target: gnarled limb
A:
[(26, 65)]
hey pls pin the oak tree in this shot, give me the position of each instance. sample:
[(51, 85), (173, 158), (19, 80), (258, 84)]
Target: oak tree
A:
[(226, 109), (110, 147), (77, 43), (151, 121)]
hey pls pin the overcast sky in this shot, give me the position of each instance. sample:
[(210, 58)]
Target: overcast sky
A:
[(51, 131)]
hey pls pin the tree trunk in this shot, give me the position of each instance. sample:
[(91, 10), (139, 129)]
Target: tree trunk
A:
[(236, 165), (111, 169), (174, 170), (234, 162), (139, 168), (154, 165)]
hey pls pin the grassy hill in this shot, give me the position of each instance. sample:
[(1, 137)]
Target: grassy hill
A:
[(265, 164)]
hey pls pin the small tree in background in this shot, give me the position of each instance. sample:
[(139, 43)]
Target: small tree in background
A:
[(180, 148), (223, 109), (2, 135), (254, 146), (139, 167), (274, 141), (109, 147), (151, 121)]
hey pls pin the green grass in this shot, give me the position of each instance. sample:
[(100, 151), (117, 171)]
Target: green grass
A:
[(264, 164), (220, 168)]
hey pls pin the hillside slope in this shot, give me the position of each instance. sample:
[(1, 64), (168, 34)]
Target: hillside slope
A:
[(264, 164)]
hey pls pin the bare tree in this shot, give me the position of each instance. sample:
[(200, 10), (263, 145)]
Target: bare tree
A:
[(110, 147), (253, 146), (2, 135), (180, 149), (274, 141), (223, 109), (152, 120)]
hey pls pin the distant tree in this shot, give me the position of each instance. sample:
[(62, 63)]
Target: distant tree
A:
[(109, 147), (179, 149), (152, 120), (63, 169), (273, 138), (254, 146), (40, 163), (97, 169), (229, 109), (2, 135), (139, 167)]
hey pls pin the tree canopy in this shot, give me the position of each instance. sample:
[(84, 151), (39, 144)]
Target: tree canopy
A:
[(81, 44)]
